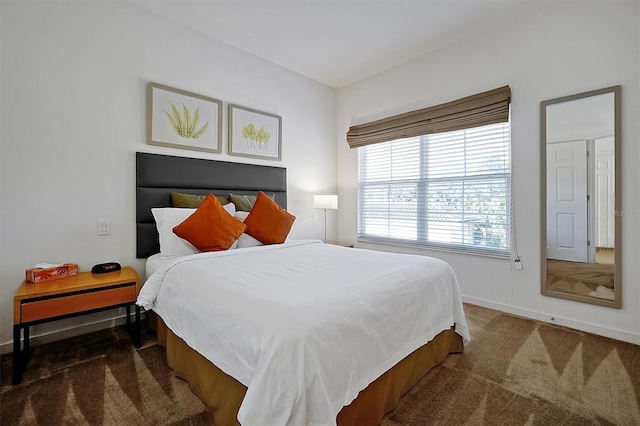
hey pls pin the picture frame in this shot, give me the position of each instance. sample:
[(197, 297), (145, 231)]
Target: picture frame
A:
[(254, 134), (180, 119)]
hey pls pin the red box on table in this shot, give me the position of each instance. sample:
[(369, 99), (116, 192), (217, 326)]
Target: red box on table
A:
[(38, 275)]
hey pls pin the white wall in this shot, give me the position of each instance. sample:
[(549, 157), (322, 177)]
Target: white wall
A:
[(564, 49), (73, 108)]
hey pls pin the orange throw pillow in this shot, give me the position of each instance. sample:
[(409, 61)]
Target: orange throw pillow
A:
[(210, 227), (268, 222)]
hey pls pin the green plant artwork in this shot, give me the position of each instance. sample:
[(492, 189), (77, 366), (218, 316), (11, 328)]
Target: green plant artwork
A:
[(185, 124), (256, 137)]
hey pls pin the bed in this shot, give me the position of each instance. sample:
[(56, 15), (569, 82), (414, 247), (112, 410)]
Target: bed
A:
[(296, 333)]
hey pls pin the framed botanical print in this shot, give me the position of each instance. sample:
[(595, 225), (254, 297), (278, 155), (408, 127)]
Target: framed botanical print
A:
[(254, 134), (182, 119)]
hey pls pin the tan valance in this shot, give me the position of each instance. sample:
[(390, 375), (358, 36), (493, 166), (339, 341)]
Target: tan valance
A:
[(473, 111)]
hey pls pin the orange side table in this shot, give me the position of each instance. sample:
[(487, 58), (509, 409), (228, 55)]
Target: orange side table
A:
[(78, 295)]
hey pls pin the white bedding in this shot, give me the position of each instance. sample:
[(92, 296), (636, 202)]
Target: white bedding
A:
[(156, 262), (305, 326)]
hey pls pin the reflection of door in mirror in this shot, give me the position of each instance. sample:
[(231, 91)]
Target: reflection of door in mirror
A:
[(580, 142)]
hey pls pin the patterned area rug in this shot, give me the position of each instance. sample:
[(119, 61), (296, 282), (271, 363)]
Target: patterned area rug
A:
[(515, 372), (99, 379), (522, 372)]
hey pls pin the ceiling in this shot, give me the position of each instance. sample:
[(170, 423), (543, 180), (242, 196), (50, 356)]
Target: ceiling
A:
[(338, 42)]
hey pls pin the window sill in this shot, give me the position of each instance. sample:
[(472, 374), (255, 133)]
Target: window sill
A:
[(473, 251)]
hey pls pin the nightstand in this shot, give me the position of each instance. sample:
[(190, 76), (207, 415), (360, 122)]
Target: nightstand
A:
[(68, 297)]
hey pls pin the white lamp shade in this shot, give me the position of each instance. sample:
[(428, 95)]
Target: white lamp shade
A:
[(329, 202)]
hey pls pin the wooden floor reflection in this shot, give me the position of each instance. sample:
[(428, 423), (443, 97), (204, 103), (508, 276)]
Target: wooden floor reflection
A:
[(586, 279)]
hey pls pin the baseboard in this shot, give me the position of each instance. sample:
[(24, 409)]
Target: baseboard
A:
[(50, 336), (545, 317)]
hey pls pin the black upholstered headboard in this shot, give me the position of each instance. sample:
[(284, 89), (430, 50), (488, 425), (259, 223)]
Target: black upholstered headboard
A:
[(157, 176)]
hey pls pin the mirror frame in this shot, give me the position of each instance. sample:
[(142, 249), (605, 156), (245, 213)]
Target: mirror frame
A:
[(617, 286)]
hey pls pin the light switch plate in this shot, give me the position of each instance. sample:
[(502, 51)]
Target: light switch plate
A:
[(104, 227)]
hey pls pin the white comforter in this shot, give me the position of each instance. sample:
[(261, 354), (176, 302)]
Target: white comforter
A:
[(305, 326)]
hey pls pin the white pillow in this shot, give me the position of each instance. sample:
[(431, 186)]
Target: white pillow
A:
[(170, 244), (230, 208), (166, 219), (245, 240), (241, 216)]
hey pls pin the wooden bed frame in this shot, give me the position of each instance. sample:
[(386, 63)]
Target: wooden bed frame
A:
[(159, 175)]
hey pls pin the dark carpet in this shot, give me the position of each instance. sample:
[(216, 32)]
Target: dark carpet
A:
[(515, 372)]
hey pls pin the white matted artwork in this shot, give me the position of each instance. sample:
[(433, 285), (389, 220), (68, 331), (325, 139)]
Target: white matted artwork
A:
[(254, 134), (182, 119)]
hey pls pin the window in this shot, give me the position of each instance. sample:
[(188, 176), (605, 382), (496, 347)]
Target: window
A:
[(447, 190)]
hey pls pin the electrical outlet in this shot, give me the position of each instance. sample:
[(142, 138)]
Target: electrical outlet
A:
[(315, 217), (518, 264), (104, 227)]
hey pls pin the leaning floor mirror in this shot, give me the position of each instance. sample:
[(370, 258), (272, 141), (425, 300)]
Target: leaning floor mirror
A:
[(581, 197)]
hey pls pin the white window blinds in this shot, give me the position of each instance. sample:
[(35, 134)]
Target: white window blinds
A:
[(446, 190)]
